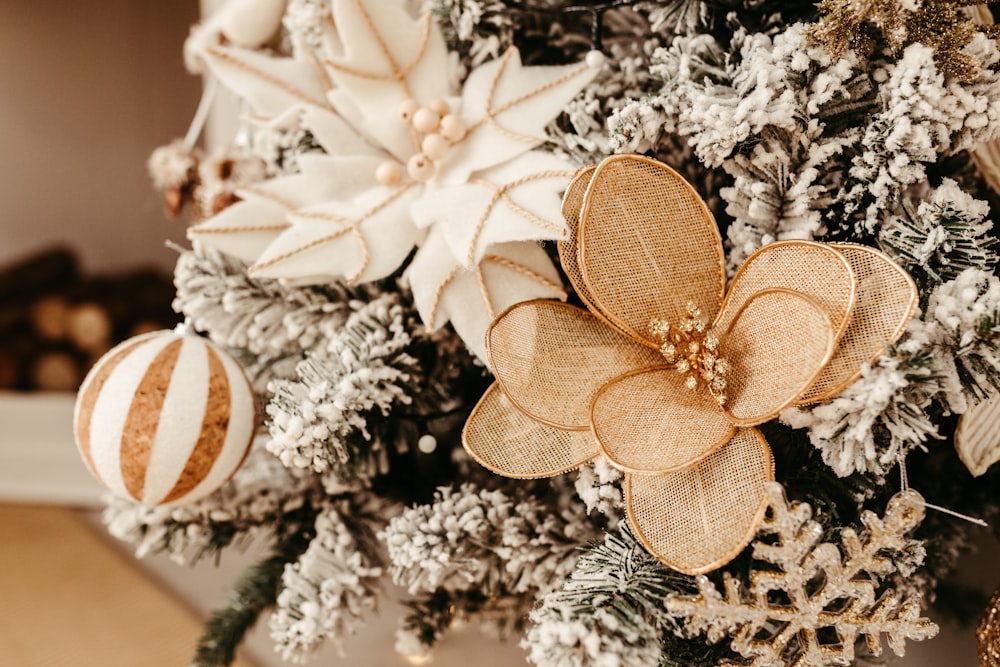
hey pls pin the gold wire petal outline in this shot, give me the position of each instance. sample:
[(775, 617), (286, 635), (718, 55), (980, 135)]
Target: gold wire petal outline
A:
[(835, 376), (568, 251), (727, 470), (776, 329), (508, 442), (631, 282), (787, 278), (663, 435), (570, 357)]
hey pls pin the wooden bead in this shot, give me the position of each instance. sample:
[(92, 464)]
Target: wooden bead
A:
[(440, 107), (407, 109), (453, 128), (164, 418), (389, 173), (421, 168), (435, 146), (426, 121)]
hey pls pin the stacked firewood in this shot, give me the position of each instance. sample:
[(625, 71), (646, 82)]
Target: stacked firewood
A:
[(55, 322)]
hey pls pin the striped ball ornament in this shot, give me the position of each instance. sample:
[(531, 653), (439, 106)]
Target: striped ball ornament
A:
[(164, 418)]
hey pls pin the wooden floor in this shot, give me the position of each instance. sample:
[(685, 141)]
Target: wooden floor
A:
[(71, 598)]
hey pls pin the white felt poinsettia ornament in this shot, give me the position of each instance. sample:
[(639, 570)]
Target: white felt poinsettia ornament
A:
[(409, 161)]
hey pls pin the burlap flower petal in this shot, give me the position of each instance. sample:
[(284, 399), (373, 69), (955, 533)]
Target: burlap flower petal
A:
[(571, 204), (814, 269), (776, 347), (701, 517), (508, 442), (550, 358), (886, 300), (647, 246), (647, 422)]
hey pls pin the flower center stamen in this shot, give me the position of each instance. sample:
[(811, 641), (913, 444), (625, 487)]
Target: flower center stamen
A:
[(693, 350)]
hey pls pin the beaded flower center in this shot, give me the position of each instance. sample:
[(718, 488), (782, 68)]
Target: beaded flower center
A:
[(693, 350)]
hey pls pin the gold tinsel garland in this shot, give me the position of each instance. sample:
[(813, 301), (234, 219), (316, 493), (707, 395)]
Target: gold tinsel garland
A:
[(988, 633), (942, 25)]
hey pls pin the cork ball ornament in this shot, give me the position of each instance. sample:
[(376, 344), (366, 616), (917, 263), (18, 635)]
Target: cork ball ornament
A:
[(165, 417)]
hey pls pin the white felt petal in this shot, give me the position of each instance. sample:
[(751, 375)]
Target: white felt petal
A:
[(360, 241), (251, 23), (519, 200), (522, 102), (471, 298), (384, 57), (334, 134), (270, 85), (243, 230)]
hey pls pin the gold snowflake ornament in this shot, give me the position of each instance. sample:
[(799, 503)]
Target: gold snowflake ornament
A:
[(667, 371), (813, 602)]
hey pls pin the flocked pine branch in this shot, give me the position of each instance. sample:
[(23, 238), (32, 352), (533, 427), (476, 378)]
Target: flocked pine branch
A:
[(923, 116), (610, 613), (941, 236), (482, 553), (265, 317), (263, 500), (812, 602), (321, 420), (781, 119), (948, 356), (328, 592), (254, 592)]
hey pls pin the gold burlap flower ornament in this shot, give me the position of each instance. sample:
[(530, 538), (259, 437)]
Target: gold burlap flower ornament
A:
[(666, 373)]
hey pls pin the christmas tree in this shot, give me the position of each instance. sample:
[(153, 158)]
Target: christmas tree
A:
[(638, 331)]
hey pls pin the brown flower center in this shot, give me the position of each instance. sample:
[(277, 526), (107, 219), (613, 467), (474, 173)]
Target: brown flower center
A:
[(693, 350)]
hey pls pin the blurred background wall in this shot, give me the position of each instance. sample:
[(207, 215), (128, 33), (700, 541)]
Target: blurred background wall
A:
[(87, 90)]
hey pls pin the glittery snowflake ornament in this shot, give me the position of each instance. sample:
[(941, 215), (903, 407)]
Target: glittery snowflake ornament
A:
[(409, 161), (813, 601), (668, 372)]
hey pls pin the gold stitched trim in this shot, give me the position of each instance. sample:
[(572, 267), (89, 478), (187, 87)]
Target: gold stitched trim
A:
[(523, 270), (439, 294), (500, 193), (280, 227), (491, 112), (397, 73), (350, 225), (264, 76), (266, 194)]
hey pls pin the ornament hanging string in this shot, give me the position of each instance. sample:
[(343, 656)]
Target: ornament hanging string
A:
[(201, 114), (904, 482)]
